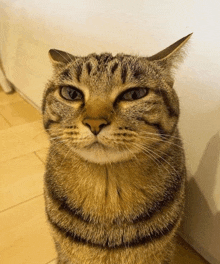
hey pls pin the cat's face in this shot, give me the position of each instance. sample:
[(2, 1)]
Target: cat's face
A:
[(108, 109), (111, 110)]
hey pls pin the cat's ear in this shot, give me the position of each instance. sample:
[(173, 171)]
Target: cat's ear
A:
[(60, 58), (172, 55)]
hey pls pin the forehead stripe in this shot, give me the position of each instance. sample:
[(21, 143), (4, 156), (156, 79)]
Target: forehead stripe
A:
[(89, 67), (114, 67), (78, 72), (123, 73)]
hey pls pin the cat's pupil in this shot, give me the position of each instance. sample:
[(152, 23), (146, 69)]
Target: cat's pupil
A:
[(134, 95), (72, 93)]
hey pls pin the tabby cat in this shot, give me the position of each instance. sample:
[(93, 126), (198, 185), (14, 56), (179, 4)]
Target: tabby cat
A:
[(115, 173)]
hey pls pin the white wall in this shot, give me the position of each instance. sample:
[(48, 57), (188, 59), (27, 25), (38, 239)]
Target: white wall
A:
[(30, 28)]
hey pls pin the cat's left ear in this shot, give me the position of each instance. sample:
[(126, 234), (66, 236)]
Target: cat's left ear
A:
[(60, 58), (172, 55)]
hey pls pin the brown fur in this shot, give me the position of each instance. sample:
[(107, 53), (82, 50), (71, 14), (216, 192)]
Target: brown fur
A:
[(119, 200)]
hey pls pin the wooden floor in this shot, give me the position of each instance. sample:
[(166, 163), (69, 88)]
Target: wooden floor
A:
[(24, 234)]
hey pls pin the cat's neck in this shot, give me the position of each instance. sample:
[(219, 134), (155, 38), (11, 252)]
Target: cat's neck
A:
[(115, 189)]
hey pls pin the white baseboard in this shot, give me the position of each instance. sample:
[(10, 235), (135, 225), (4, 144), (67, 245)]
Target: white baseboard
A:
[(28, 99)]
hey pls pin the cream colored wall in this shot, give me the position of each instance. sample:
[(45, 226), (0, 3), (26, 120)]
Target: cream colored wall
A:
[(30, 28)]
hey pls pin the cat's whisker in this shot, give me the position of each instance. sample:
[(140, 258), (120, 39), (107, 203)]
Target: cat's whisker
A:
[(162, 152), (132, 153), (143, 133), (58, 142), (162, 140), (140, 148), (161, 167), (144, 147), (160, 157), (54, 138), (54, 129), (163, 135), (64, 157), (154, 159), (149, 155)]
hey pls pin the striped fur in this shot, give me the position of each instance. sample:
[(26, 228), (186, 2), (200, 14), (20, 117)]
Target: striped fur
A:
[(119, 200)]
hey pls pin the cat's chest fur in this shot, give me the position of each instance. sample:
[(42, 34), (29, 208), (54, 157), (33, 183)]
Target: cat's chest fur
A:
[(108, 192)]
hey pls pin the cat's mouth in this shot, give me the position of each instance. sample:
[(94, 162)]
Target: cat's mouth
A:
[(98, 152), (96, 144)]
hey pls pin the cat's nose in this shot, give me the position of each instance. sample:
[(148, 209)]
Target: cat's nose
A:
[(95, 125)]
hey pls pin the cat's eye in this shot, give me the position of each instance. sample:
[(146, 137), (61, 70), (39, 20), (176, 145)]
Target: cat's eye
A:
[(134, 94), (71, 93)]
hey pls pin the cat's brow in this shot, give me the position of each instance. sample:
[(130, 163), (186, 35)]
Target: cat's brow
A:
[(66, 74)]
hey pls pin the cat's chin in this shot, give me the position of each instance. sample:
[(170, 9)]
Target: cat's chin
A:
[(103, 156)]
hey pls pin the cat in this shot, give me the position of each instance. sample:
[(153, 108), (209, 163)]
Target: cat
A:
[(115, 172)]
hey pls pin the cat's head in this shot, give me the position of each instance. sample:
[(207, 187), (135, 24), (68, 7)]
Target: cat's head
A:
[(110, 108)]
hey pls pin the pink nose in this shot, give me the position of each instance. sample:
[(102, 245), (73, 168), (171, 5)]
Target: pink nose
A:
[(95, 125)]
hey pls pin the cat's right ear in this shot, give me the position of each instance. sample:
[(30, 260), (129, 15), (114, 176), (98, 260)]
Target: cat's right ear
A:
[(172, 55), (60, 58)]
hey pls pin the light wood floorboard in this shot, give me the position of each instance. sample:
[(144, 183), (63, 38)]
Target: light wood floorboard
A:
[(21, 179)]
